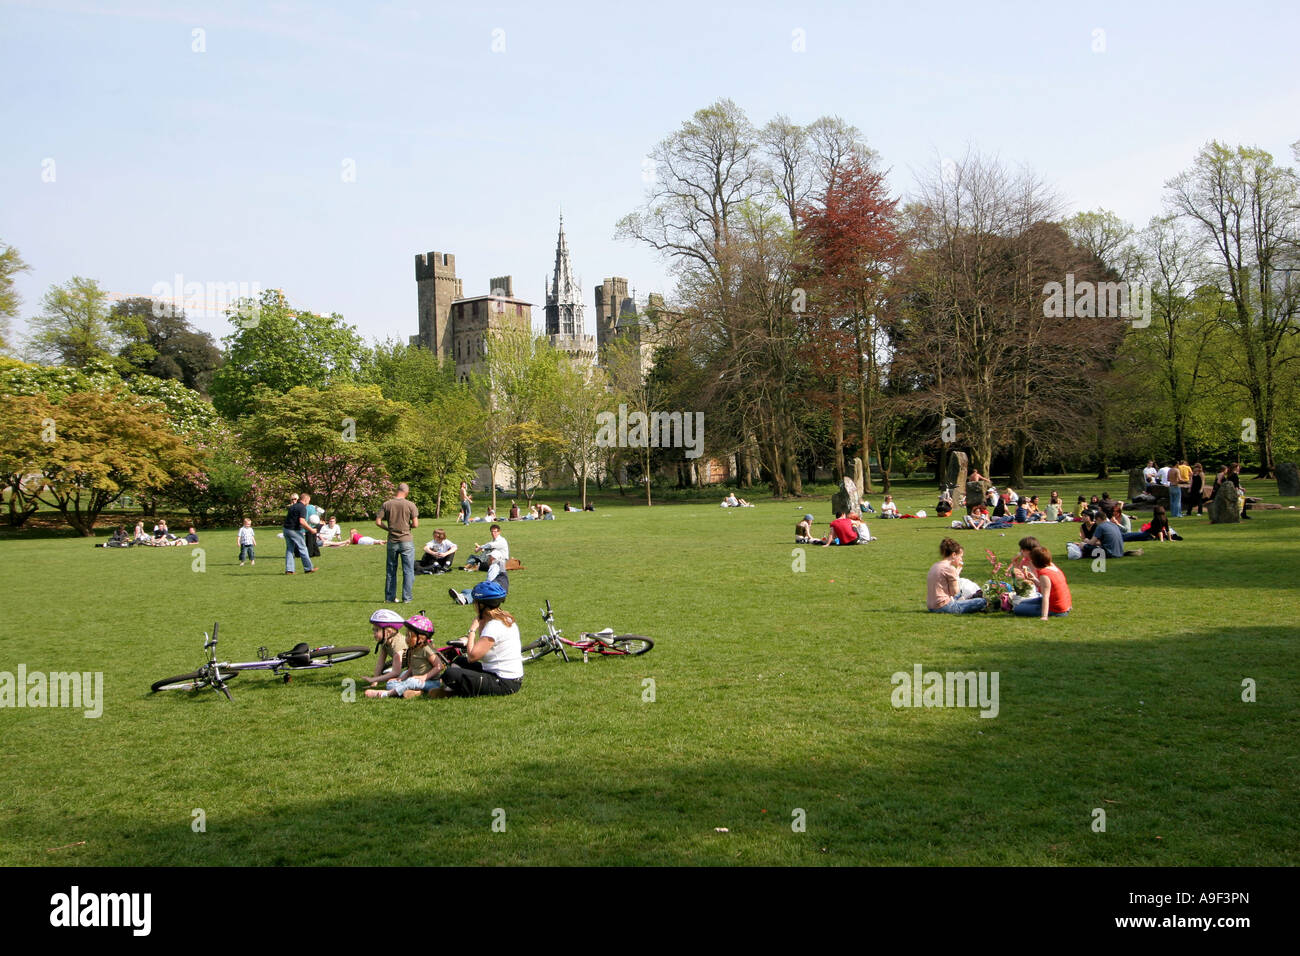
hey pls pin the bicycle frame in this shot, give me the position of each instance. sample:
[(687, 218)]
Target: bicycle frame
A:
[(587, 643), (210, 672)]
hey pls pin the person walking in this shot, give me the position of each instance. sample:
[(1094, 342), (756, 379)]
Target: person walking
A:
[(295, 525), (399, 516)]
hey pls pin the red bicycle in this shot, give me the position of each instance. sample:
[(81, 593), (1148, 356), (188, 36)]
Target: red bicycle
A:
[(604, 642)]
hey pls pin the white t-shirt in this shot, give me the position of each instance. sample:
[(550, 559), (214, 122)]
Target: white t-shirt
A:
[(441, 547), (889, 508), (328, 533), (1164, 475), (499, 549), (1015, 498), (246, 536), (506, 659), (1149, 474)]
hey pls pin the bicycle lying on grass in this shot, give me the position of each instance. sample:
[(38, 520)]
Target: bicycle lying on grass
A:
[(216, 674), (604, 642)]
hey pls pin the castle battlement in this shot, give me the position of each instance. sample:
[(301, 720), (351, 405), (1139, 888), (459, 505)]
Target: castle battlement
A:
[(434, 264)]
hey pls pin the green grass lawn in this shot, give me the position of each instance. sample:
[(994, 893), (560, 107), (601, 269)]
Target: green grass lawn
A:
[(772, 694)]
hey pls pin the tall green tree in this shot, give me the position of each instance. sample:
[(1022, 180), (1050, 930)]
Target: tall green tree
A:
[(74, 327), (406, 373), (11, 263), (1247, 209), (582, 394), (278, 347), (158, 340), (330, 442)]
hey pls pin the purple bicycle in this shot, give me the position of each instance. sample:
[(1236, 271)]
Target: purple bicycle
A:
[(216, 674)]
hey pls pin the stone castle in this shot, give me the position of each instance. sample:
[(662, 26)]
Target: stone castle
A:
[(455, 327)]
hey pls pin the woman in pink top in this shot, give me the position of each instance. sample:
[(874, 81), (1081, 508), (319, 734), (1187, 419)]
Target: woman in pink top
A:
[(942, 585)]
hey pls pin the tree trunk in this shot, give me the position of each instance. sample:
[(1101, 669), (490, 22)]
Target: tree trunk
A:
[(837, 436), (1018, 460)]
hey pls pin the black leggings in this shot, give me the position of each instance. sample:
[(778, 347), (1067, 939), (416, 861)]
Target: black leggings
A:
[(466, 679)]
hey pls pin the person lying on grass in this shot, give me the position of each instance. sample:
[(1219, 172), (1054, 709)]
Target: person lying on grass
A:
[(492, 664), (390, 650), (1054, 593), (943, 585), (422, 663)]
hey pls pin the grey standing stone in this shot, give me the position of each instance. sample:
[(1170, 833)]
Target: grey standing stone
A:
[(1225, 506), (1137, 485), (958, 467), (858, 478), (976, 492), (1288, 480), (845, 498)]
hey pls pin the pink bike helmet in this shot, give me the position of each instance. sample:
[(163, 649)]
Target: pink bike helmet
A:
[(420, 624)]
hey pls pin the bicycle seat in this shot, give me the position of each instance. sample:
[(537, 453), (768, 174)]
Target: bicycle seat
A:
[(300, 656)]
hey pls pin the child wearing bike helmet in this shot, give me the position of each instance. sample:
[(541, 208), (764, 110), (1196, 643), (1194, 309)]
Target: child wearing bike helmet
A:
[(493, 663), (422, 663), (390, 646)]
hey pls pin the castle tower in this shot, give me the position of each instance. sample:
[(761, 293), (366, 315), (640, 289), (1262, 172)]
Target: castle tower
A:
[(438, 287), (612, 303)]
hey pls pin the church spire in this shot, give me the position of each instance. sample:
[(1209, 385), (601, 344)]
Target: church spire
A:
[(564, 307)]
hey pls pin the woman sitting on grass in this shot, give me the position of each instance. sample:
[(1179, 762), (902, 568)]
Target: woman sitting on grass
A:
[(803, 532), (1022, 565), (1157, 530), (1054, 594), (943, 584), (887, 507), (493, 662)]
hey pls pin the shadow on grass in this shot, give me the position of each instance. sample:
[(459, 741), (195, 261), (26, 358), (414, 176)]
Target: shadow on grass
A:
[(1153, 732)]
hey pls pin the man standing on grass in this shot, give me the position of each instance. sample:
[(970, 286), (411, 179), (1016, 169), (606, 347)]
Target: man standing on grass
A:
[(398, 516), (295, 523)]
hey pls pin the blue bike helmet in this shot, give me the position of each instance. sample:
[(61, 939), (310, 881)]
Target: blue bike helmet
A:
[(488, 593)]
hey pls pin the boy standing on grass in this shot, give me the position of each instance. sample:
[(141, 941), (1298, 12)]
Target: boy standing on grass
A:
[(247, 541)]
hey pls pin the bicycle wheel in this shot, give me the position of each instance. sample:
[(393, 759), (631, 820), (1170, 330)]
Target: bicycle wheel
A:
[(337, 655), (535, 650), (191, 681), (627, 645)]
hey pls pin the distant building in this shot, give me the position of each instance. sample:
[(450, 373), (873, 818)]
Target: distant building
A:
[(566, 326), (455, 327)]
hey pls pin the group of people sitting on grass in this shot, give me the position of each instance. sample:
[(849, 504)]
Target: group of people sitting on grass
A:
[(161, 537), (487, 661), (948, 592), (847, 528)]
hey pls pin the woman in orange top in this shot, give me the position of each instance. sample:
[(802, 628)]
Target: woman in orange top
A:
[(1055, 600)]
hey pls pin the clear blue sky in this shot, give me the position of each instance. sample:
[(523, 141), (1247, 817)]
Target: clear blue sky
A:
[(225, 165)]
